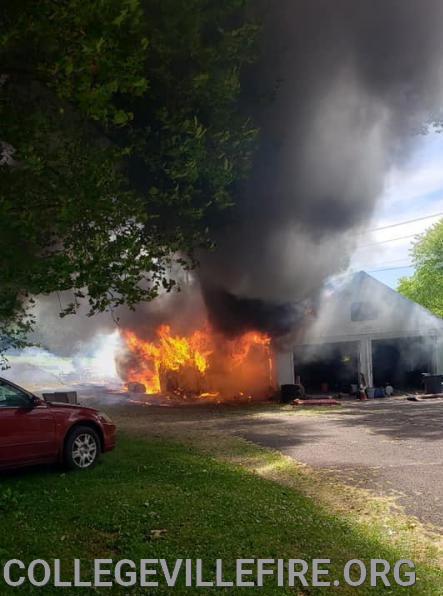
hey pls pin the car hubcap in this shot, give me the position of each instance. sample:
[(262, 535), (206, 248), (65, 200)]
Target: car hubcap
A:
[(84, 450)]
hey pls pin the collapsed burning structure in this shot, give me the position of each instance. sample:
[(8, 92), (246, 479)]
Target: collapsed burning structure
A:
[(205, 364), (180, 349)]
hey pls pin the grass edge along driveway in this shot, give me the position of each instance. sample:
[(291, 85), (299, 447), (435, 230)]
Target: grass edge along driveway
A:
[(163, 499)]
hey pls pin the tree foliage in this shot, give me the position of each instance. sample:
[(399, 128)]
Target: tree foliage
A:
[(426, 285), (121, 140)]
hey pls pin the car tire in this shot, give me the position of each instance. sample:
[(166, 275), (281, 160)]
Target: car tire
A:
[(82, 448)]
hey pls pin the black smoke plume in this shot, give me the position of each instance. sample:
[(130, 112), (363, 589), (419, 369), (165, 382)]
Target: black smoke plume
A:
[(340, 92), (233, 315)]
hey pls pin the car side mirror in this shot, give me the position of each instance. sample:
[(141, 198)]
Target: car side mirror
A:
[(35, 401)]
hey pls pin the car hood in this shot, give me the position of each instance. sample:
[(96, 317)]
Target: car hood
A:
[(63, 406)]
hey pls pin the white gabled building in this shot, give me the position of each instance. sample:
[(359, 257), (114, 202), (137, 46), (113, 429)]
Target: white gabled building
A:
[(363, 326)]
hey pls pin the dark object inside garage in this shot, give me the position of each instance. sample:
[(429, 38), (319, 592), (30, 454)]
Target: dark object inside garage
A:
[(402, 362), (327, 367)]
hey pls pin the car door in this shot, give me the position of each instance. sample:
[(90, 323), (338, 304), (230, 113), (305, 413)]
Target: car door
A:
[(27, 431)]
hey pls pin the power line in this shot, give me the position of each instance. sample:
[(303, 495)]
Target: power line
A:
[(389, 262), (385, 264), (408, 221), (385, 241), (391, 268)]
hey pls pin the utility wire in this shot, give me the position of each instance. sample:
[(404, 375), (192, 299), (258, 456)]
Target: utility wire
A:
[(408, 221), (388, 262), (391, 268), (385, 241)]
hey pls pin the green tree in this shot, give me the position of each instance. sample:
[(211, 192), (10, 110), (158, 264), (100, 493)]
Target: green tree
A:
[(121, 140), (426, 285)]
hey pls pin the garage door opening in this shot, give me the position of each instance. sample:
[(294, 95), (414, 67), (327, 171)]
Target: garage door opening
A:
[(327, 367), (401, 362)]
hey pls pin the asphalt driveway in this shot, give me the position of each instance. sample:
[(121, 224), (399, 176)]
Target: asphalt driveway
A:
[(394, 448)]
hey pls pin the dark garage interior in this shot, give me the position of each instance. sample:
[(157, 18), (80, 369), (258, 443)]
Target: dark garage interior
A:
[(327, 367), (401, 362)]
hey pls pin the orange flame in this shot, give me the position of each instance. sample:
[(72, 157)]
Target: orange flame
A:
[(203, 363)]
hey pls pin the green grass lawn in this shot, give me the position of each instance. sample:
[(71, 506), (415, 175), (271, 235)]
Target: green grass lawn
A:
[(207, 510)]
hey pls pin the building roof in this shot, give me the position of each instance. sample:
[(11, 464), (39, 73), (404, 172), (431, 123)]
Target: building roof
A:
[(361, 305)]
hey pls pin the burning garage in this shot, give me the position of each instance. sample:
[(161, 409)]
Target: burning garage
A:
[(201, 364), (364, 332)]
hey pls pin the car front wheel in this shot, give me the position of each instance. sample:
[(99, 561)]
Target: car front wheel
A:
[(82, 448)]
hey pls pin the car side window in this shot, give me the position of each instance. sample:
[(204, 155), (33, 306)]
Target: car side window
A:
[(10, 397)]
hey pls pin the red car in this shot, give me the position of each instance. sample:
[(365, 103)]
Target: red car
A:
[(34, 431)]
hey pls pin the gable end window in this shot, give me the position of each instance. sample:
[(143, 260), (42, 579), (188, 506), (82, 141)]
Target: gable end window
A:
[(363, 311)]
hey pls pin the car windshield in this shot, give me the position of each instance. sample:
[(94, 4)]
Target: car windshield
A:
[(12, 397)]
